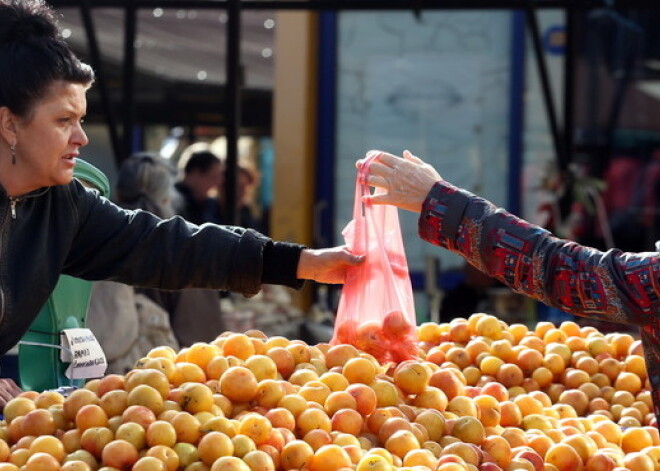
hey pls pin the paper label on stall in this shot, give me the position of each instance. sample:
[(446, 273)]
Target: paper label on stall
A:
[(83, 351)]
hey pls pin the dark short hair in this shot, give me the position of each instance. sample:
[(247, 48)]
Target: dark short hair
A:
[(33, 55), (202, 161)]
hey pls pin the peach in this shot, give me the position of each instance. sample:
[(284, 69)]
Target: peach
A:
[(373, 462), (469, 430), (488, 466), (269, 393), (581, 443), (283, 359), (420, 457), (636, 348), (411, 377), (229, 463), (359, 370), (448, 382), (48, 444), (72, 404), (530, 455), (497, 390), (119, 454), (82, 456), (637, 461), (262, 366), (295, 403), (515, 436), (315, 391), (627, 381), (239, 384), (330, 458), (138, 414), (498, 448), (467, 453), (155, 378), (255, 426), (387, 393), (529, 359), (48, 398), (430, 332), (38, 422), (311, 419), (133, 433), (214, 445), (160, 433), (600, 462), (489, 326), (431, 398), (635, 439), (396, 325), (281, 418), (317, 438), (564, 457), (459, 357), (434, 423), (510, 414), (510, 375), (41, 462), (188, 427), (114, 402), (577, 399), (259, 460), (95, 439), (540, 443), (347, 421), (401, 442)]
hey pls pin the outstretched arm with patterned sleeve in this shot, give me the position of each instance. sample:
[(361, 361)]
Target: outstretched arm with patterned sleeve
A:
[(613, 286)]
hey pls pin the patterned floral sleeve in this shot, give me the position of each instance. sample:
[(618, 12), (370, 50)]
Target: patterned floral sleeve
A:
[(612, 286)]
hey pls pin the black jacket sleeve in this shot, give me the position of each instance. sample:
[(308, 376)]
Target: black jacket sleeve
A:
[(138, 248)]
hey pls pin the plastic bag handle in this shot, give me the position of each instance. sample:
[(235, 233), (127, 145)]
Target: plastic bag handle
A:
[(362, 188), (359, 207)]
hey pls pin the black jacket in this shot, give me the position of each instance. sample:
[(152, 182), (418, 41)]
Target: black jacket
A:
[(72, 230)]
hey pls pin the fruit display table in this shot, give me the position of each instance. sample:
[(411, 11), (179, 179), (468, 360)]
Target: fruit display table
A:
[(480, 395)]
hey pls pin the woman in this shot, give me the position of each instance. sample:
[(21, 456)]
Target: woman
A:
[(50, 224), (612, 286)]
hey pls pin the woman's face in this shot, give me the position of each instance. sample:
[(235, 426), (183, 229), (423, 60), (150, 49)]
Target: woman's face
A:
[(48, 141)]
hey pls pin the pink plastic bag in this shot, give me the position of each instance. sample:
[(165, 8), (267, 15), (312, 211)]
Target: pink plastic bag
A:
[(376, 310)]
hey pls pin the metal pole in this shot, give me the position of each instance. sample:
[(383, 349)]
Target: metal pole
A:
[(100, 77), (569, 82), (233, 92), (516, 110), (128, 81), (557, 140)]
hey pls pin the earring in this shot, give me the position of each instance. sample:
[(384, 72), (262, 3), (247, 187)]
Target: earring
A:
[(13, 154)]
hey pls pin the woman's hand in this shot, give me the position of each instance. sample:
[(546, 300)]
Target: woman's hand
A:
[(8, 390), (326, 265), (406, 181)]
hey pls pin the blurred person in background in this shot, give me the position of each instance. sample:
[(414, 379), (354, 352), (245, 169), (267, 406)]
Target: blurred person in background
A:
[(614, 286), (247, 183), (51, 224), (202, 173)]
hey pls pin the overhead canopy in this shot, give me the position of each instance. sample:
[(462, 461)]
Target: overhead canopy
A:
[(180, 59)]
